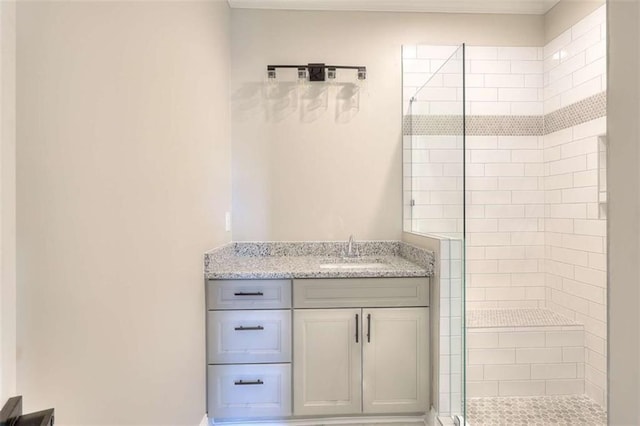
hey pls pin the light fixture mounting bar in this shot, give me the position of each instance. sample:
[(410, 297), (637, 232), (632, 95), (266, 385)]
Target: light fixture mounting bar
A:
[(317, 71)]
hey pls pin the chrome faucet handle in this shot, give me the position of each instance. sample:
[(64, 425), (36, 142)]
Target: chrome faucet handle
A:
[(350, 252)]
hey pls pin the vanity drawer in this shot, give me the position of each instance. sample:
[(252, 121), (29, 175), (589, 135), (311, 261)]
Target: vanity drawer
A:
[(243, 391), (235, 337), (360, 292), (248, 294)]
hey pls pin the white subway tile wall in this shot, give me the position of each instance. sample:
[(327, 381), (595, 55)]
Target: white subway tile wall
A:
[(575, 63), (575, 243), (451, 331), (536, 234), (505, 183)]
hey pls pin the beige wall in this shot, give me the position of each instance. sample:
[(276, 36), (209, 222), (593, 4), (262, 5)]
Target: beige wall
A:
[(7, 202), (123, 179), (301, 176), (566, 13), (623, 111), (113, 218)]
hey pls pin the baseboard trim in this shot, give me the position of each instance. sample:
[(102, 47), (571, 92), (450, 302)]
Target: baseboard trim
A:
[(431, 418), (445, 421), (324, 421)]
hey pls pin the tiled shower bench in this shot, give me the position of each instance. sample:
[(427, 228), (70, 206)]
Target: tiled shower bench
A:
[(523, 352)]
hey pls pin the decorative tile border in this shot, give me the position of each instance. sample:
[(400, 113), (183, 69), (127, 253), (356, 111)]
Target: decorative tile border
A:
[(504, 125), (432, 125), (580, 112), (476, 125), (508, 125)]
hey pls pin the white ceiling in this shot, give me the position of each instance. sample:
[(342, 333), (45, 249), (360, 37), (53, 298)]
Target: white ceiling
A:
[(536, 7)]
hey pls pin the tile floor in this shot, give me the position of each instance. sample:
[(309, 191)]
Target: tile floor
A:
[(377, 424), (320, 423), (571, 410)]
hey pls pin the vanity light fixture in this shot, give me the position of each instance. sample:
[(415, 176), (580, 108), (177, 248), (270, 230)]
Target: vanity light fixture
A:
[(317, 72), (302, 73)]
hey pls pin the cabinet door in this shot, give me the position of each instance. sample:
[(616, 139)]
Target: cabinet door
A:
[(395, 360), (327, 361)]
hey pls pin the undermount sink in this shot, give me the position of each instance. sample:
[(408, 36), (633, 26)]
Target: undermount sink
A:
[(354, 265)]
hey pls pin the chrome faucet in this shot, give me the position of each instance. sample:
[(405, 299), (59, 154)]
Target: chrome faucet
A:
[(350, 248)]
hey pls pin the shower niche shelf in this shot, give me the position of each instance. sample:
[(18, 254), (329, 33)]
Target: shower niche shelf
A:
[(602, 176)]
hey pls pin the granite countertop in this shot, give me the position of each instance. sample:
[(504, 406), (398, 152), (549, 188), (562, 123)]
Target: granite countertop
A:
[(269, 260)]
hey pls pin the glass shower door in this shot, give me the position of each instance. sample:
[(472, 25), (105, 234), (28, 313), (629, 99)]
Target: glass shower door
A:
[(434, 192)]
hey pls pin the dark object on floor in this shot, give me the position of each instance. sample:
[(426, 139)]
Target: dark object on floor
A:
[(11, 415)]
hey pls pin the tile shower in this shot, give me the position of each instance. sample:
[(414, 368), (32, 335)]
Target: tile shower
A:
[(535, 215)]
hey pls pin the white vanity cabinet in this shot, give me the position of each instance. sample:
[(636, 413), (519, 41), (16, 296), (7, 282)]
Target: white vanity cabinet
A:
[(362, 359), (248, 348), (317, 347)]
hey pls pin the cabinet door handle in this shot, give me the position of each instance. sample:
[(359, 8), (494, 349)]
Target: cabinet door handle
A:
[(243, 328), (242, 293), (357, 328), (242, 382), (368, 328)]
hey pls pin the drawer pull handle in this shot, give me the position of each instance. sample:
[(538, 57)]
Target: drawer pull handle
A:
[(242, 382), (242, 293), (243, 328)]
